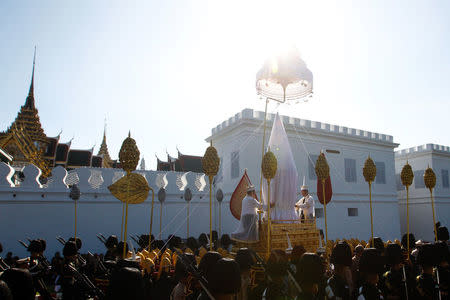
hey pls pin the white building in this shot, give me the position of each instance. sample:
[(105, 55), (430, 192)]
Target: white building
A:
[(239, 140), (420, 211)]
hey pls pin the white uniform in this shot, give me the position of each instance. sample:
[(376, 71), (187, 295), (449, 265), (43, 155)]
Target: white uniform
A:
[(306, 204), (248, 227)]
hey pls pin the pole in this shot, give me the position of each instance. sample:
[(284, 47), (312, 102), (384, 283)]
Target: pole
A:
[(75, 220), (125, 233), (210, 214), (434, 218), (160, 221), (407, 218), (325, 213), (187, 229), (262, 155), (220, 219), (371, 216), (151, 221), (269, 221), (121, 226)]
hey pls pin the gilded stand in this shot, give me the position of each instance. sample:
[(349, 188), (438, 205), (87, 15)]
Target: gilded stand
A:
[(430, 182), (269, 169), (323, 172), (407, 177), (132, 188), (369, 172), (210, 165)]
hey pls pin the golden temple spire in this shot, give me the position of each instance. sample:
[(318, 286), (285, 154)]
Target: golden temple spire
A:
[(29, 103), (107, 161)]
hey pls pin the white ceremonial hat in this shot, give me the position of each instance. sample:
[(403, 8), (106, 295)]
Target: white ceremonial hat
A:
[(304, 187), (250, 188)]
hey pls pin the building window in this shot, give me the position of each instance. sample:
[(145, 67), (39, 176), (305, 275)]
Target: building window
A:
[(350, 170), (318, 212), (444, 174), (419, 183), (352, 212), (381, 172), (234, 164), (398, 181), (312, 166)]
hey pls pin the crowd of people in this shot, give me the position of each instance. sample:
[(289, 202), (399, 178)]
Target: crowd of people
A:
[(195, 269)]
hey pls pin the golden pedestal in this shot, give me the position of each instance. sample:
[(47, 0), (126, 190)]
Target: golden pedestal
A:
[(305, 234)]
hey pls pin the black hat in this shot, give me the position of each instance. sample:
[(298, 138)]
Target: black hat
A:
[(20, 283), (35, 246), (225, 241), (277, 263), (128, 263), (5, 292), (310, 269), (377, 244), (119, 248), (207, 263), (126, 283), (43, 243), (77, 242), (393, 254), (203, 239), (341, 255), (427, 255), (412, 241), (371, 261), (244, 258), (111, 242), (184, 263), (442, 252), (225, 277), (1, 248), (70, 249), (191, 243), (442, 234)]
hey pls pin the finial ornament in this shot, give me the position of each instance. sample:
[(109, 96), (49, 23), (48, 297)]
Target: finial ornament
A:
[(211, 162), (369, 170), (129, 154), (322, 168), (429, 178), (269, 165), (407, 175)]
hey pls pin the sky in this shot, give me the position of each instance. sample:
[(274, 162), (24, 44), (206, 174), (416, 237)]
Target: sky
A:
[(170, 71)]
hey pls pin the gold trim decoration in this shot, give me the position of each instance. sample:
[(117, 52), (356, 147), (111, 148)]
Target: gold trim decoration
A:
[(323, 172), (370, 172), (269, 167), (210, 165), (430, 182), (407, 176)]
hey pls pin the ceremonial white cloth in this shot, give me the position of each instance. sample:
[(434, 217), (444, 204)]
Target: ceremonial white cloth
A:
[(307, 205), (283, 187), (248, 225)]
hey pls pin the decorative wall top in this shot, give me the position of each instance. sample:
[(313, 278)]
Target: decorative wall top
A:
[(301, 125), (423, 148), (97, 180)]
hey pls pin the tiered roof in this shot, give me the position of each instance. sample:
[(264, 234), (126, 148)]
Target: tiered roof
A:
[(183, 163)]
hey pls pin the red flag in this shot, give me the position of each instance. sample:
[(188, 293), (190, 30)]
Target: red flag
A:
[(328, 190), (239, 193)]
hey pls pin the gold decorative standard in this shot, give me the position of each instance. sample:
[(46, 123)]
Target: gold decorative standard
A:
[(430, 182), (129, 154), (407, 176), (369, 172), (323, 172), (269, 165)]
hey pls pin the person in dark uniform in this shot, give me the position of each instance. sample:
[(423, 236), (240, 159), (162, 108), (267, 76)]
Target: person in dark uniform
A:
[(427, 287), (39, 267), (20, 283), (71, 288), (309, 275), (443, 269), (337, 285), (370, 265), (225, 279), (111, 244), (393, 282)]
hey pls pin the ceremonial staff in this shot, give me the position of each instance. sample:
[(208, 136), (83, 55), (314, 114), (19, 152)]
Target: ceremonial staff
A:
[(187, 198), (369, 172), (151, 220), (407, 177), (219, 197), (161, 198), (269, 167), (210, 165), (430, 182), (132, 188)]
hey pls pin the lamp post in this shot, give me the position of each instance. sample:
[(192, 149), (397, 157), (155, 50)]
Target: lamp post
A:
[(219, 198), (161, 198), (75, 195), (284, 78), (187, 198)]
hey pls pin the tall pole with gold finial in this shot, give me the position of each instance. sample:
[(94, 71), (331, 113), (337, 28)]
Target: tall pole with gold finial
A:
[(75, 195), (407, 177), (210, 165), (269, 167), (151, 220), (323, 172), (369, 172), (132, 188), (430, 182)]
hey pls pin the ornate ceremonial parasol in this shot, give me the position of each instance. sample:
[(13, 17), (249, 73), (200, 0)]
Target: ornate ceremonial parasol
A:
[(283, 78)]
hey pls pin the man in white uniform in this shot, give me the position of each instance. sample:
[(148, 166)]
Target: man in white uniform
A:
[(305, 204), (248, 227)]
